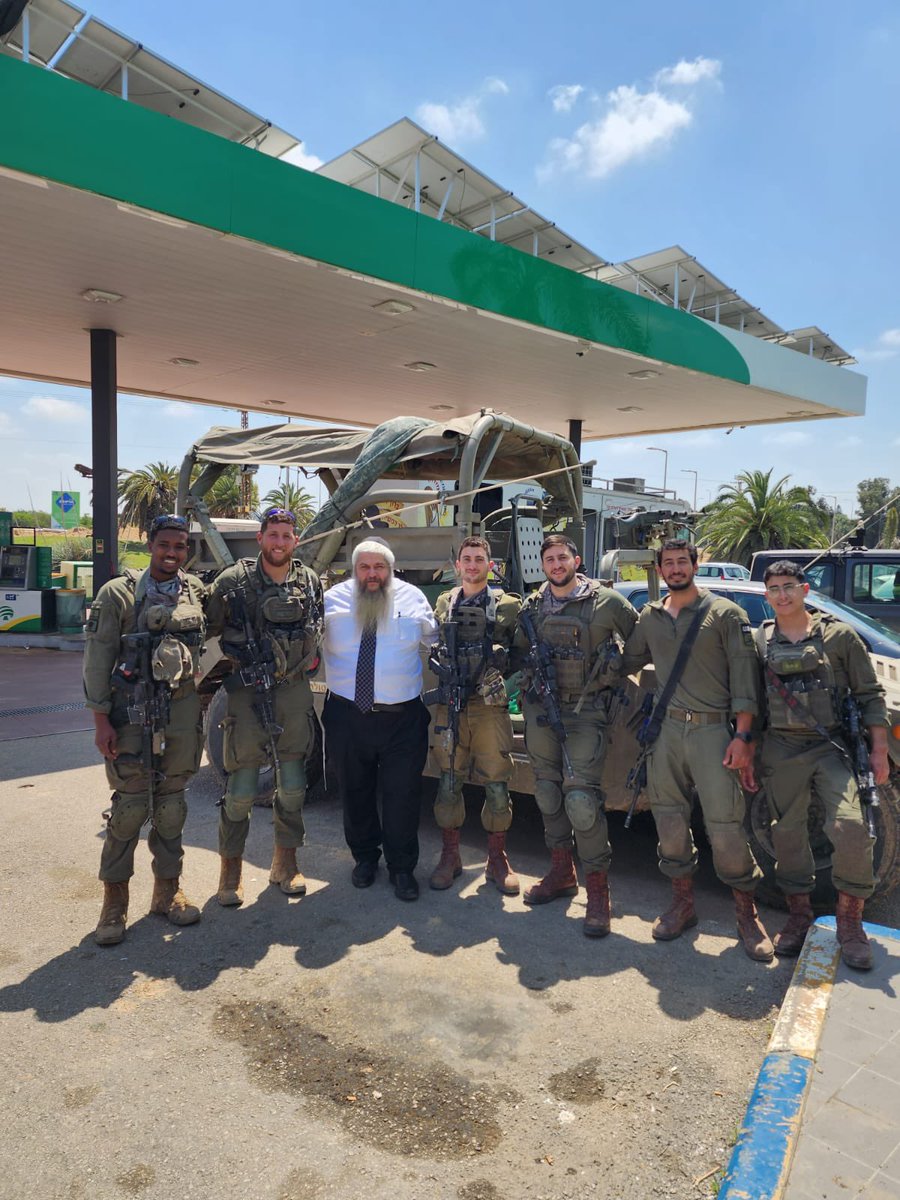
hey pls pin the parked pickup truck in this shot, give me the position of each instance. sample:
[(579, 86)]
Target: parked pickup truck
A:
[(867, 580)]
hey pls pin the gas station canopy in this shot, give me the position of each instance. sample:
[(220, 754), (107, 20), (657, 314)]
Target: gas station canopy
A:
[(232, 278)]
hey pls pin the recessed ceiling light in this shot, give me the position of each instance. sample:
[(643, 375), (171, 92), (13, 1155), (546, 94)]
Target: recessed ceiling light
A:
[(441, 407), (20, 177), (394, 308), (185, 362), (420, 366), (648, 373), (98, 296), (149, 215), (272, 403), (630, 408)]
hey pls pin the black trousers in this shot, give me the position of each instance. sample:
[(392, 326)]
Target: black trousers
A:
[(379, 754)]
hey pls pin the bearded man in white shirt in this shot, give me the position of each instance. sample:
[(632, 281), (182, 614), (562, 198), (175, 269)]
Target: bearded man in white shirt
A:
[(376, 726)]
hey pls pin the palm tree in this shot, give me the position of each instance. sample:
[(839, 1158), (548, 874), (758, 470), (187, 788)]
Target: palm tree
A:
[(295, 499), (753, 513), (146, 493), (224, 497)]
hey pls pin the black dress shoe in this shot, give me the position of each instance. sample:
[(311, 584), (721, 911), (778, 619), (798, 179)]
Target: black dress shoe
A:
[(364, 874), (406, 886)]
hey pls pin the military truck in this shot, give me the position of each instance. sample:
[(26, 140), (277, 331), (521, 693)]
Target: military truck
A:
[(434, 483)]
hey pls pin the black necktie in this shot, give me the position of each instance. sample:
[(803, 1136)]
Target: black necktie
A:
[(365, 671)]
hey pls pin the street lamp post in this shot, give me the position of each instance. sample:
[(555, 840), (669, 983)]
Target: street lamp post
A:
[(689, 471), (833, 516), (660, 450)]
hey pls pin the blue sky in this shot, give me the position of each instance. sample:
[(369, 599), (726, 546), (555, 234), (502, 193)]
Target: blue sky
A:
[(763, 142)]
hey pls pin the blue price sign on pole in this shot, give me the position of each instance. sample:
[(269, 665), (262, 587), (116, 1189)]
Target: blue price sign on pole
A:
[(65, 510)]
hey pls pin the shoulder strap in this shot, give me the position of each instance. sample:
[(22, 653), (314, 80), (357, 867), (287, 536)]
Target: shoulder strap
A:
[(684, 651), (764, 634)]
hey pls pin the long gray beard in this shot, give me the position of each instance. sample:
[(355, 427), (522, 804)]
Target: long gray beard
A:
[(373, 609)]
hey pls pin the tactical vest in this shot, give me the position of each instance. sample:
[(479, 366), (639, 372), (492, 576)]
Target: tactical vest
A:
[(286, 621), (177, 632), (568, 634), (804, 670), (475, 629)]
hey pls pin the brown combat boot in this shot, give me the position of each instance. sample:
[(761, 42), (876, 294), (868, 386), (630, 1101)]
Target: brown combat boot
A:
[(230, 892), (285, 873), (168, 900), (750, 929), (596, 921), (789, 942), (497, 869), (559, 881), (449, 865), (111, 926), (855, 949), (680, 915)]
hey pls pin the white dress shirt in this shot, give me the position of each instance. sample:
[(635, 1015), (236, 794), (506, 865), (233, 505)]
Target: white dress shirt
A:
[(398, 665)]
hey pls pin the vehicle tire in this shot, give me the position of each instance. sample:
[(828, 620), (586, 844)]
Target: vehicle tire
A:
[(887, 847), (215, 745)]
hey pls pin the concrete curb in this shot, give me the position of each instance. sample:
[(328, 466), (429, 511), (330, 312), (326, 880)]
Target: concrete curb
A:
[(44, 641), (759, 1165), (761, 1161)]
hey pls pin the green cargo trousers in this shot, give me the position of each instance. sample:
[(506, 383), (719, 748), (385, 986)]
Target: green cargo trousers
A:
[(572, 808), (793, 769), (687, 757), (246, 750), (484, 754), (127, 776)]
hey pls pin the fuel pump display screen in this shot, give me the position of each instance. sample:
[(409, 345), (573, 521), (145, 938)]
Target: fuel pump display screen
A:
[(14, 564)]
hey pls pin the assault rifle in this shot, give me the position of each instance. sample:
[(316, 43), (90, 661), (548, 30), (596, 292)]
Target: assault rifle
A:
[(539, 662), (256, 669), (148, 707), (453, 689), (859, 760), (646, 735)]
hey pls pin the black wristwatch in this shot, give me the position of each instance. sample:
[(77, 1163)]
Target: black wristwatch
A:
[(745, 737)]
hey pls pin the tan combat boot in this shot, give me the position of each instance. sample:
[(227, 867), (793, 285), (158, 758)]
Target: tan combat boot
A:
[(450, 864), (596, 921), (559, 881), (497, 869), (750, 929), (681, 914), (111, 926), (855, 949), (169, 900), (230, 892), (285, 873), (789, 942)]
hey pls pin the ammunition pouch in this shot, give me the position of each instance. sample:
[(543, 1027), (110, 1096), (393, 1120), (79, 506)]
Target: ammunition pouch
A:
[(568, 638), (806, 673)]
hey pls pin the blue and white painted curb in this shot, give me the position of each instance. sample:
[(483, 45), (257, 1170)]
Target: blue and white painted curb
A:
[(761, 1160)]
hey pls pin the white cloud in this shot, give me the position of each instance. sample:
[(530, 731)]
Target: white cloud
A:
[(55, 408), (887, 345), (564, 95), (300, 157), (890, 337), (178, 411), (463, 121), (634, 123), (687, 74)]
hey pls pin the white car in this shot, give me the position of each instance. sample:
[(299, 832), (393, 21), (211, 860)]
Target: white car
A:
[(722, 570)]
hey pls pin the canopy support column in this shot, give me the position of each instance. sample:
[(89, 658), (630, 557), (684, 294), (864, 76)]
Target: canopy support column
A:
[(575, 435), (104, 438)]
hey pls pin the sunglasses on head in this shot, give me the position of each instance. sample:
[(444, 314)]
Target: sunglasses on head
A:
[(168, 521), (278, 514)]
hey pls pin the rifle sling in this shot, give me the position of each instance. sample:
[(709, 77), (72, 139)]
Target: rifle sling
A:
[(684, 651), (799, 708)]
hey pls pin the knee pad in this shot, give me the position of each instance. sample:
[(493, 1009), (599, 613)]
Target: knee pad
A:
[(169, 815), (292, 784), (581, 808), (129, 812), (449, 805), (548, 796), (240, 793), (496, 796)]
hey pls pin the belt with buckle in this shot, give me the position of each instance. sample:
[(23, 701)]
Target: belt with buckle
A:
[(697, 718)]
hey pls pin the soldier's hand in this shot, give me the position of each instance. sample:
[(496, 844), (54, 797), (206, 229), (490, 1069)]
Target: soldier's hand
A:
[(105, 736), (880, 764), (492, 689), (749, 781), (738, 755)]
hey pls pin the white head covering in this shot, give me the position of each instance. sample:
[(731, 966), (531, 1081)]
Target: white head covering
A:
[(374, 545)]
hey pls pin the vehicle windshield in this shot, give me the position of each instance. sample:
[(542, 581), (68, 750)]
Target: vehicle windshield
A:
[(863, 624)]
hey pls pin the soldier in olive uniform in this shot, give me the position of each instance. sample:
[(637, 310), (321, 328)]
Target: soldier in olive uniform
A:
[(268, 613), (810, 660), (697, 750), (582, 622), (485, 621), (156, 615)]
